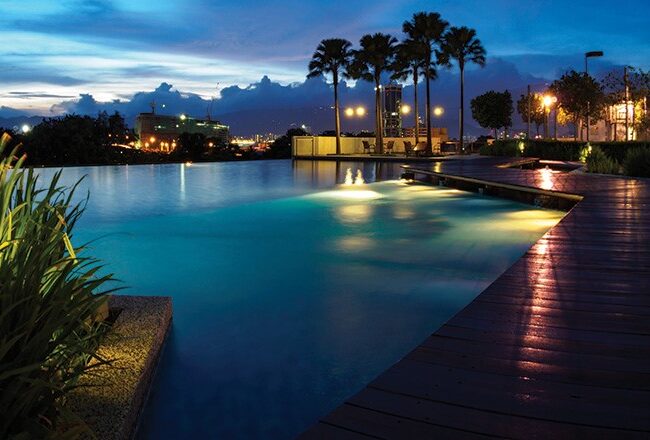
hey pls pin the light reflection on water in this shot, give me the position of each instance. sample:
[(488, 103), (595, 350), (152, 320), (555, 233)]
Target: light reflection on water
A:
[(290, 293)]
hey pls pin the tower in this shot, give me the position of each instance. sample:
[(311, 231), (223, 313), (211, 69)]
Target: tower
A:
[(392, 110)]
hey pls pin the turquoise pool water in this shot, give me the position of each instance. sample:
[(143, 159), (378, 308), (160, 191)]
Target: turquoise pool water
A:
[(290, 292)]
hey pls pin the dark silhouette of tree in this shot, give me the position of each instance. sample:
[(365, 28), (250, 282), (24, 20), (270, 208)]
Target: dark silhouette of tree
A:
[(191, 146), (537, 111), (375, 57), (576, 93), (460, 44), (281, 147), (493, 110), (332, 57), (409, 63), (427, 29)]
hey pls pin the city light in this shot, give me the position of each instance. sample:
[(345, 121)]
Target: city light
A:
[(360, 111), (152, 139), (183, 117), (405, 109), (438, 111), (25, 128), (349, 112)]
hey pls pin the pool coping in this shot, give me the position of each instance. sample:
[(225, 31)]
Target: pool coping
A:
[(532, 329), (111, 397)]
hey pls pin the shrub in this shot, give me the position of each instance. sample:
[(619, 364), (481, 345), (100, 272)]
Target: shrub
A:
[(599, 162), (554, 150), (507, 147), (48, 303), (618, 150), (637, 162)]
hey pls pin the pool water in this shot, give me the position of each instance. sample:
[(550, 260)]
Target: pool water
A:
[(290, 292)]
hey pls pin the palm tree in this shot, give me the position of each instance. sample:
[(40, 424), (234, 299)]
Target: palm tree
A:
[(332, 56), (409, 63), (461, 44), (375, 57), (428, 29)]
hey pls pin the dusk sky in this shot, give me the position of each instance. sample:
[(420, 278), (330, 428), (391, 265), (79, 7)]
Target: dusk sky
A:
[(53, 52)]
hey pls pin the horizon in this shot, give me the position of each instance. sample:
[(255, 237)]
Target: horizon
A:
[(85, 57)]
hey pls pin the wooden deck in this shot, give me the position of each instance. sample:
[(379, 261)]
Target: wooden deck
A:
[(557, 347)]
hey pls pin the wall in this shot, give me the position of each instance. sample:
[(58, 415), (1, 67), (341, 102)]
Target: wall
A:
[(324, 145)]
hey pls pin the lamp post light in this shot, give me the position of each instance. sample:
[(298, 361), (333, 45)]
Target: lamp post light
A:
[(438, 111), (592, 54), (547, 101)]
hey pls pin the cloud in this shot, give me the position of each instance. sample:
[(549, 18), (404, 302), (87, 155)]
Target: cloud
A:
[(269, 106)]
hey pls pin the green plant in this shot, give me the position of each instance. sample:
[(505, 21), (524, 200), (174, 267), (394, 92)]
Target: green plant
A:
[(637, 162), (599, 162), (49, 300), (506, 147)]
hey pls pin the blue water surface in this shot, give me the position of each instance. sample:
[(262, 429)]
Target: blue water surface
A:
[(290, 292)]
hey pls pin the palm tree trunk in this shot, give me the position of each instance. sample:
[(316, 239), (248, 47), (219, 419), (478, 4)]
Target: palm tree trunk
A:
[(428, 112), (462, 109), (415, 102), (337, 120), (379, 147)]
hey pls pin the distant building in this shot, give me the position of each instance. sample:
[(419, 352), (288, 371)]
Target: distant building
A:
[(436, 132), (161, 132), (392, 110)]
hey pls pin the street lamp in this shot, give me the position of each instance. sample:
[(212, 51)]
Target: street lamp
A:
[(25, 128), (405, 109), (349, 112), (592, 54), (438, 111), (547, 102), (360, 111)]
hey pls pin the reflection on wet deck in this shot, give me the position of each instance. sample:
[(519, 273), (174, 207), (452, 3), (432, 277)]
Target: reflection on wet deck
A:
[(558, 346)]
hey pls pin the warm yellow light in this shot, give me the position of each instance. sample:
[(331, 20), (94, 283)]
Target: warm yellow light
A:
[(152, 139), (210, 144), (438, 111), (188, 163), (406, 109), (548, 100), (360, 111), (349, 112), (146, 144), (183, 117)]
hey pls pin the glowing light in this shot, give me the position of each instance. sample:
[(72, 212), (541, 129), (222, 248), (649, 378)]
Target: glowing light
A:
[(405, 109), (438, 111), (152, 139), (188, 164), (349, 112), (351, 194), (360, 111), (548, 100), (211, 144), (183, 117), (25, 128)]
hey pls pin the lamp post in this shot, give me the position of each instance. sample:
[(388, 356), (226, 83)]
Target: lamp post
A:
[(547, 101), (592, 54)]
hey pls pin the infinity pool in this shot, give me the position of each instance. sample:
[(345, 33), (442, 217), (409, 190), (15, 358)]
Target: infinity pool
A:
[(290, 292)]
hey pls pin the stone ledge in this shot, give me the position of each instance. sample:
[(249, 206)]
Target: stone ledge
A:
[(111, 397)]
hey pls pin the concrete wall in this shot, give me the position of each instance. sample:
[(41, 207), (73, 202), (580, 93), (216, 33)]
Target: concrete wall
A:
[(324, 145)]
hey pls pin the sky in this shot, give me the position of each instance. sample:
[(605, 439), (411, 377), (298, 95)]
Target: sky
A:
[(247, 59)]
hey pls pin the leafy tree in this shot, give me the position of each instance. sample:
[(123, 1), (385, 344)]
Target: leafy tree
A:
[(191, 146), (332, 56), (460, 44), (426, 29), (493, 110), (281, 147), (576, 93), (537, 111), (375, 57)]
